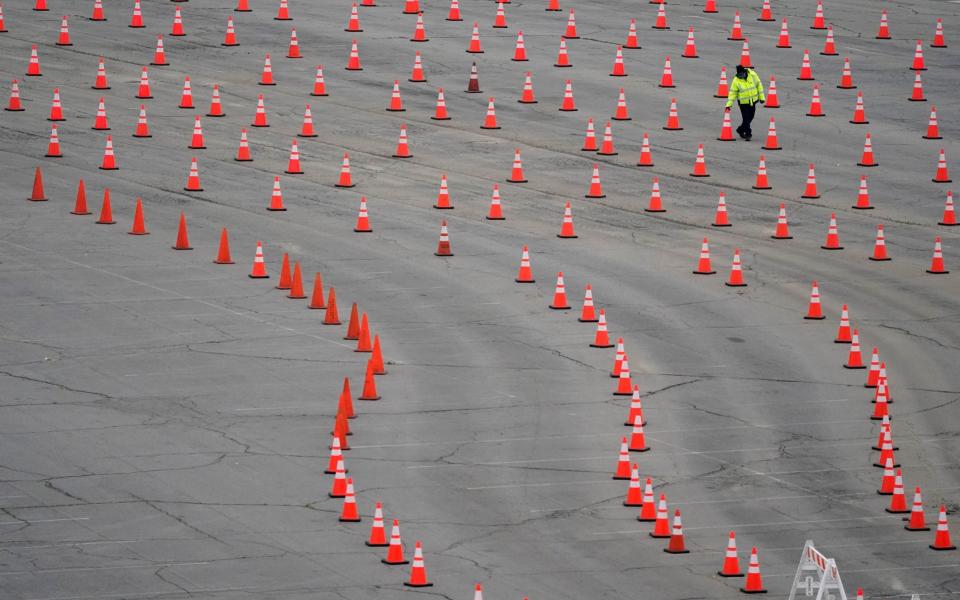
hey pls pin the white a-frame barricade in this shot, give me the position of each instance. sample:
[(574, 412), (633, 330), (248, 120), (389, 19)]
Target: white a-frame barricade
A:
[(817, 574)]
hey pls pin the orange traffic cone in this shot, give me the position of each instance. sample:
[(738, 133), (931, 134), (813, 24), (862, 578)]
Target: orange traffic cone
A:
[(918, 64), (833, 237), (676, 545), (868, 160), (754, 581), (345, 180), (880, 246), (183, 242), (661, 526), (525, 273), (33, 67), (53, 147), (266, 77), (159, 56), (336, 454), (773, 100), (566, 228), (623, 463), (606, 147), (260, 117), (624, 385), (587, 312), (621, 113), (96, 15), (568, 104), (784, 40), (474, 46), (139, 227), (806, 73), (690, 49), (106, 211), (526, 94), (38, 195), (673, 119), (193, 177), (80, 206), (364, 344), (338, 488), (731, 562), (319, 85), (816, 109), (571, 31), (898, 501), (500, 20), (443, 196), (379, 367), (331, 316), (416, 74), (454, 13), (443, 246), (736, 30), (949, 214), (736, 271), (745, 54), (349, 511), (418, 572), (632, 42), (936, 265), (648, 505), (782, 231), (316, 297), (14, 104), (843, 330), (516, 173), (811, 190), (933, 129), (216, 107), (403, 146), (186, 96), (916, 521), (618, 68), (560, 295), (638, 442), (602, 337), (887, 480), (490, 121), (595, 190), (646, 157), (829, 46), (938, 41), (854, 357), (296, 284), (634, 495), (818, 20), (196, 141), (863, 195), (859, 114), (942, 175), (726, 129), (377, 532), (353, 24), (109, 162), (590, 139), (666, 78), (230, 37), (369, 385), (496, 209), (721, 219), (283, 12), (100, 120), (703, 264), (259, 270), (223, 253), (942, 539), (353, 62), (846, 77), (441, 111), (814, 310), (661, 22), (883, 33), (762, 182), (700, 166)]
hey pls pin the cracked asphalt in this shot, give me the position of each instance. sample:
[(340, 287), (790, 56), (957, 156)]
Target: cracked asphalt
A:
[(164, 421)]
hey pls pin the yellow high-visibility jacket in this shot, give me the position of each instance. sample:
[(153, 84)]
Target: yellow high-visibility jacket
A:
[(746, 91)]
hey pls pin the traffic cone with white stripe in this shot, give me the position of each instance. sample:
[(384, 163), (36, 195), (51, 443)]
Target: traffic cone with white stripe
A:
[(898, 501), (782, 231), (918, 63), (745, 54), (636, 408), (624, 385), (618, 364), (440, 114), (136, 19), (96, 15), (618, 68), (863, 195), (938, 41), (949, 215), (880, 246), (638, 442), (646, 157), (843, 330), (661, 526), (590, 139), (568, 104), (338, 488), (525, 273), (811, 190), (773, 99), (363, 220), (700, 165), (403, 146), (474, 47), (571, 31), (816, 109), (418, 572), (606, 147), (560, 295), (353, 24), (936, 264), (443, 197), (867, 159), (193, 177), (346, 179), (587, 312), (632, 42), (419, 31), (676, 544), (673, 118), (661, 21), (916, 521), (690, 49), (784, 40), (490, 121), (283, 12), (721, 219), (259, 270), (621, 113), (596, 190), (454, 13), (496, 209), (377, 533), (754, 581), (731, 562), (177, 29), (736, 272), (516, 173), (762, 182), (854, 357), (829, 47), (602, 337), (395, 550), (833, 239), (942, 539), (942, 175), (216, 107), (14, 105), (726, 129), (566, 227), (846, 77), (859, 114), (648, 506), (634, 495), (655, 204), (623, 463), (814, 310), (473, 84), (703, 264), (736, 30), (723, 87), (883, 33), (353, 61), (109, 162), (500, 19), (666, 78), (159, 55), (319, 85), (888, 478)]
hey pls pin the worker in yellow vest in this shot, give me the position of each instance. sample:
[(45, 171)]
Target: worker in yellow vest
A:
[(746, 90)]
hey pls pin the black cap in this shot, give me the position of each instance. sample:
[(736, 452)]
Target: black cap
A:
[(741, 69)]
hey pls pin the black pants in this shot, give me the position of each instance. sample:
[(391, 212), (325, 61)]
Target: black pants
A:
[(747, 111)]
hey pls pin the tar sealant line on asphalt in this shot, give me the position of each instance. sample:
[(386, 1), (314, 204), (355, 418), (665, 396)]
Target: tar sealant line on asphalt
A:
[(104, 568), (848, 469), (177, 295), (781, 524), (71, 544), (31, 522)]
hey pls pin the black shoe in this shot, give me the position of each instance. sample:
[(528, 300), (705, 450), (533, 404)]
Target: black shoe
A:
[(741, 133), (747, 138)]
